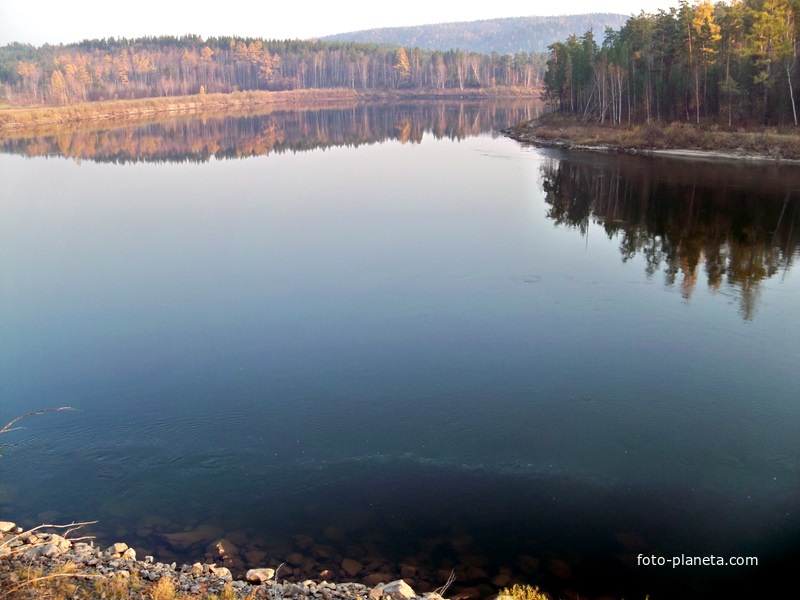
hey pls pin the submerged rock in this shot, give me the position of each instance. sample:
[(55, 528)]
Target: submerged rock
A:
[(352, 567)]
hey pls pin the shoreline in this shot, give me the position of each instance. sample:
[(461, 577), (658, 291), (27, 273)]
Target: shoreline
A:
[(556, 131), (15, 119), (28, 558)]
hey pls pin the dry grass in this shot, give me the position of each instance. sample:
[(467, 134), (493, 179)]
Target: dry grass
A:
[(770, 142), (67, 583), (133, 109), (522, 592)]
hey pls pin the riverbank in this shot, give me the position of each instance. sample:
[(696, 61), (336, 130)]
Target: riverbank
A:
[(20, 118), (43, 564), (674, 139)]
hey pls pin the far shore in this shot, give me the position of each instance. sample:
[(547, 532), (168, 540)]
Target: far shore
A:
[(16, 118), (679, 140)]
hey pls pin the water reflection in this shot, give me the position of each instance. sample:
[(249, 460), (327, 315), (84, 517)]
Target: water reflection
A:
[(243, 135), (732, 227)]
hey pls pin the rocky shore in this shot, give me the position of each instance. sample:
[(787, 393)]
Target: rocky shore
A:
[(52, 554)]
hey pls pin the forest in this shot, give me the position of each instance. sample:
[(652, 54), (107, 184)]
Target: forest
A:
[(111, 69), (730, 63), (505, 36)]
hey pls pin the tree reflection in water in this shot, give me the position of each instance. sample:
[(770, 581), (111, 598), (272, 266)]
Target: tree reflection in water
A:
[(198, 138), (739, 224)]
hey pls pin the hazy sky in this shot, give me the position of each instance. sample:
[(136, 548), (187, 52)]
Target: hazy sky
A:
[(54, 21)]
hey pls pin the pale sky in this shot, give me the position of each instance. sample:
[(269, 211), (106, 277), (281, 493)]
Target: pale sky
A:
[(53, 21)]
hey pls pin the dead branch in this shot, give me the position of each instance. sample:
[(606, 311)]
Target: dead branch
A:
[(7, 428), (70, 527), (441, 591)]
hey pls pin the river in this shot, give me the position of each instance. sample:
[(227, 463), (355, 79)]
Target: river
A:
[(390, 334)]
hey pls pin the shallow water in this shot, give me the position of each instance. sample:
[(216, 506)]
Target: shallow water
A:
[(403, 337)]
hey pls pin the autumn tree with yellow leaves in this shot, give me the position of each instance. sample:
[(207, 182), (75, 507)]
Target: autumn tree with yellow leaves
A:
[(725, 61)]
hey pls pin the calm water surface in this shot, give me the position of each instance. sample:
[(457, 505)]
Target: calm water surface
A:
[(398, 335)]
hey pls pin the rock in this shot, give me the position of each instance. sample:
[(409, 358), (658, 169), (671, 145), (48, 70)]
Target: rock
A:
[(408, 571), (374, 579), (529, 564), (221, 572), (474, 573), (129, 554), (222, 548), (255, 557), (237, 537), (7, 527), (295, 559), (462, 544), (475, 560), (51, 551), (560, 568), (502, 580), (470, 592), (197, 569), (304, 542), (376, 593), (333, 533), (398, 589), (352, 567), (185, 539), (117, 548), (260, 575)]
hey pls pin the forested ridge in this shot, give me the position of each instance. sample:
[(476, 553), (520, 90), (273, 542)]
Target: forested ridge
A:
[(170, 66), (504, 36), (731, 63)]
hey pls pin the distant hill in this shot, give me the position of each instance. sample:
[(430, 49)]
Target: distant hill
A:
[(504, 36)]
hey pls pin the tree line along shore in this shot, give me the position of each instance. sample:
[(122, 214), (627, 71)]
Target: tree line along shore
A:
[(110, 69), (15, 118)]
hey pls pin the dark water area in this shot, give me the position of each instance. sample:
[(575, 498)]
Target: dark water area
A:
[(390, 334)]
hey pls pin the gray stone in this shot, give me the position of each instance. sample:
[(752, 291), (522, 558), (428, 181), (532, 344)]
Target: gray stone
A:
[(51, 551)]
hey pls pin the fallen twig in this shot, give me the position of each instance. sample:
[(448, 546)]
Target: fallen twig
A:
[(70, 527), (7, 428), (441, 590)]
